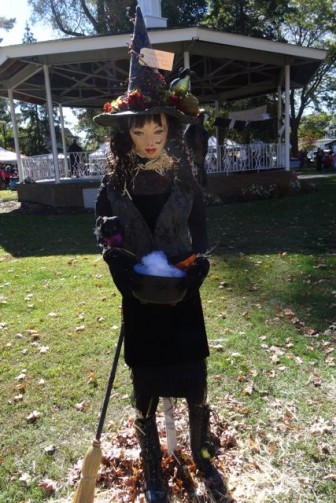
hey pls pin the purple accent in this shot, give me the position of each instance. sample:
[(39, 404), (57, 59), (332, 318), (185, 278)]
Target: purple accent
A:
[(115, 240)]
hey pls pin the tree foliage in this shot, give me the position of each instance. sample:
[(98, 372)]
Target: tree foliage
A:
[(108, 17), (313, 127), (6, 133), (84, 17), (256, 18), (95, 135), (6, 24), (184, 13)]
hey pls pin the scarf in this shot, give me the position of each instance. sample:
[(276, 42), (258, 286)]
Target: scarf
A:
[(160, 164)]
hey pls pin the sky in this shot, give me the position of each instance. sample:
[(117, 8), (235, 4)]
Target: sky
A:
[(21, 11)]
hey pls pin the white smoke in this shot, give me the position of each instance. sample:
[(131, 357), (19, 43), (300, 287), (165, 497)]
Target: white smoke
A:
[(156, 264)]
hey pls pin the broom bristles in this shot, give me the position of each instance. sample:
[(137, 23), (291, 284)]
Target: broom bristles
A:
[(87, 484)]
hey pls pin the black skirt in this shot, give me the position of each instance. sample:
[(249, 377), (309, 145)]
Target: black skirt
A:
[(183, 380), (159, 335)]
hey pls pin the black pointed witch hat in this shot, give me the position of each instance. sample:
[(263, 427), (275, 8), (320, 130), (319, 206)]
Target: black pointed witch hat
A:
[(148, 93)]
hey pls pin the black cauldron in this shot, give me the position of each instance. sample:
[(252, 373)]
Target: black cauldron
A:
[(159, 289)]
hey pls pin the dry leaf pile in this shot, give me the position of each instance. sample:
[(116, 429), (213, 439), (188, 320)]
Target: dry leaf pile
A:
[(120, 475)]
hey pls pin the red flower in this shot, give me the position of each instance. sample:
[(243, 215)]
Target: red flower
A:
[(107, 107), (135, 100), (175, 101)]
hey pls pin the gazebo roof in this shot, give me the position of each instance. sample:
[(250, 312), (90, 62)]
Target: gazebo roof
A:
[(88, 71)]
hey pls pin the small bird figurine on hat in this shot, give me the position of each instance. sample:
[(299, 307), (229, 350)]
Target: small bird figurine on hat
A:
[(181, 85)]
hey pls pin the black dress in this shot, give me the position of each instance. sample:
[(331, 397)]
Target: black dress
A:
[(164, 345)]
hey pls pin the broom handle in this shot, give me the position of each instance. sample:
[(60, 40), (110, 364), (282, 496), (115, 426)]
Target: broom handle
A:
[(110, 384)]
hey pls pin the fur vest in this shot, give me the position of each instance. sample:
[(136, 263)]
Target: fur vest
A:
[(172, 230)]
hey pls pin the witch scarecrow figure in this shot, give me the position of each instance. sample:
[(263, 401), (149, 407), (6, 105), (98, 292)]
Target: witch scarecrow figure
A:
[(149, 201)]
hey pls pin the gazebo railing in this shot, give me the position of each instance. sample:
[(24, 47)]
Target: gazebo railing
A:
[(241, 158), (226, 159), (78, 165)]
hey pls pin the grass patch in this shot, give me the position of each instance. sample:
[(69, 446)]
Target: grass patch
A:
[(268, 302), (8, 195)]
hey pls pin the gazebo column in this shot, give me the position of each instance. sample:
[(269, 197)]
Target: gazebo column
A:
[(51, 122), (64, 145), (280, 129), (15, 134), (186, 59), (287, 121)]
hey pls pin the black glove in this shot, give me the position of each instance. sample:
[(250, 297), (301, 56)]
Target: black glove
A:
[(196, 274), (121, 264)]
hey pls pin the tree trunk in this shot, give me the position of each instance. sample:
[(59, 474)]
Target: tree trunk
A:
[(295, 136)]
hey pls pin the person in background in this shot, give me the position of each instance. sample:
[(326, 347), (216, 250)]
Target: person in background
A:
[(74, 151), (152, 202), (333, 162), (319, 159), (7, 175), (327, 160)]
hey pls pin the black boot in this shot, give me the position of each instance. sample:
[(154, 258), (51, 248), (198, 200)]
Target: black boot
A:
[(148, 438), (202, 451)]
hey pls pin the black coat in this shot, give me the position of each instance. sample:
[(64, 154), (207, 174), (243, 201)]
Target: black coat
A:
[(159, 212)]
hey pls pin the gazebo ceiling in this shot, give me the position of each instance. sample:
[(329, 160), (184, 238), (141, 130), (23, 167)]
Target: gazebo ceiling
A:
[(87, 72)]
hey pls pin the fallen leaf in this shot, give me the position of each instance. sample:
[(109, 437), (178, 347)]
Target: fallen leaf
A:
[(248, 390), (48, 485), (50, 449), (26, 479), (288, 312), (20, 377), (330, 476), (34, 334), (21, 387), (82, 406), (33, 417), (92, 378)]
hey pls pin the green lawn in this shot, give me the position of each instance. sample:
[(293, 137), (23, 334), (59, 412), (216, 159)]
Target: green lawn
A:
[(268, 301), (8, 195)]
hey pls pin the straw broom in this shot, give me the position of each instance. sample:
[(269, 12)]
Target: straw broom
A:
[(87, 484)]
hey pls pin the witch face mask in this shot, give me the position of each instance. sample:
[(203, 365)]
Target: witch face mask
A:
[(149, 140)]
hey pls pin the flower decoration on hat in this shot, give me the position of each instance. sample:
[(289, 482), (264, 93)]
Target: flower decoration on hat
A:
[(148, 91)]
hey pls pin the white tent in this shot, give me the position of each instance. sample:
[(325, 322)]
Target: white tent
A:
[(7, 156), (99, 153)]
